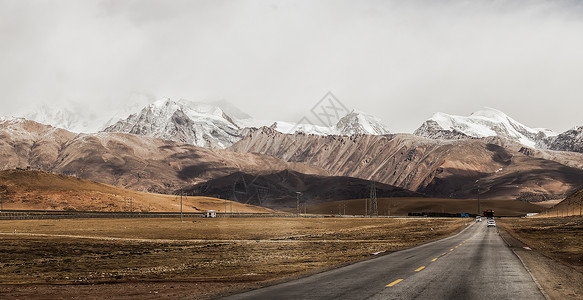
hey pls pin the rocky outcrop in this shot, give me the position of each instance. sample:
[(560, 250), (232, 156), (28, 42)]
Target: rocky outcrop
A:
[(570, 140), (183, 122)]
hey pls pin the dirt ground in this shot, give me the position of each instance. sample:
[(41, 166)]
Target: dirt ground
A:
[(552, 250), (198, 258)]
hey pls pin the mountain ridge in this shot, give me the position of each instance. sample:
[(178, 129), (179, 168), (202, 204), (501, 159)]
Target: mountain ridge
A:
[(419, 164), (482, 123)]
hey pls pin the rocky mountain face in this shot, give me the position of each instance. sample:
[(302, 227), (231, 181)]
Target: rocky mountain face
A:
[(126, 160), (181, 121), (353, 123), (570, 140), (26, 143), (444, 168), (360, 123), (209, 126), (480, 124)]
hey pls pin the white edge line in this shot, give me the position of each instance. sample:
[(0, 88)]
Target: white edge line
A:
[(525, 267), (531, 275)]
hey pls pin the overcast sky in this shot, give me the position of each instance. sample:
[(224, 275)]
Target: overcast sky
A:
[(399, 60)]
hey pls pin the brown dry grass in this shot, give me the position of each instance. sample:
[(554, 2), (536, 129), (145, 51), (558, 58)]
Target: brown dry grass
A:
[(44, 191), (559, 238), (229, 253)]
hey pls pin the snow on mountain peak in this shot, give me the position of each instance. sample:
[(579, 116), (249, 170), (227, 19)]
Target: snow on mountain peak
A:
[(360, 123), (353, 123), (482, 123), (65, 118), (183, 121), (490, 113)]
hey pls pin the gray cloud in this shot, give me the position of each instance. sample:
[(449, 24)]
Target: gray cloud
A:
[(399, 60)]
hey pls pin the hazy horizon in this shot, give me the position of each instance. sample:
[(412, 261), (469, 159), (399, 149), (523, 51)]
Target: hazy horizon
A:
[(400, 61)]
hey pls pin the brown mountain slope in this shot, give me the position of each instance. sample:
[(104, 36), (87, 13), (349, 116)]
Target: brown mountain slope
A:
[(434, 167), (38, 190), (126, 160), (26, 143), (572, 205), (278, 190)]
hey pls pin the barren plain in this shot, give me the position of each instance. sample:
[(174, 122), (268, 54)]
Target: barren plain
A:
[(197, 258), (552, 250)]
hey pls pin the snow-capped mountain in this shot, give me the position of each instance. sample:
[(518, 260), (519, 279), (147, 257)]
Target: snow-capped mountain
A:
[(570, 140), (183, 121), (483, 123), (360, 123), (201, 124), (64, 118), (353, 123)]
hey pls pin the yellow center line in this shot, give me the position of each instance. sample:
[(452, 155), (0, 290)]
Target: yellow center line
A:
[(420, 268), (460, 244), (434, 259), (451, 249), (456, 246), (394, 282), (444, 253)]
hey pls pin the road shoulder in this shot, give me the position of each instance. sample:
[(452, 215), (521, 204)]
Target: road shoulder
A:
[(558, 281)]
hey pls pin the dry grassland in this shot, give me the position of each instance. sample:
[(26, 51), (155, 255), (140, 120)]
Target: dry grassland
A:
[(203, 257), (559, 238), (552, 249)]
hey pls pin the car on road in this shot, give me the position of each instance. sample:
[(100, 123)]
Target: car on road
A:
[(491, 223), (478, 219)]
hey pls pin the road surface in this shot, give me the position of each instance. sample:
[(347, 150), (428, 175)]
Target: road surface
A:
[(474, 264)]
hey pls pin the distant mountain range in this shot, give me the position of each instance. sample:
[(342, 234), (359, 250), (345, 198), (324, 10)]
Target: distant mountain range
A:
[(440, 167), (490, 122), (446, 168), (126, 160), (480, 124), (211, 125), (221, 124)]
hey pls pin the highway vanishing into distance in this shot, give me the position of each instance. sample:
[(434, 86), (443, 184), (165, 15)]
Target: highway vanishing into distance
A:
[(474, 264)]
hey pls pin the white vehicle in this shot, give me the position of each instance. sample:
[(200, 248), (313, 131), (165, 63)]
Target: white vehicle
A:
[(491, 223), (478, 219)]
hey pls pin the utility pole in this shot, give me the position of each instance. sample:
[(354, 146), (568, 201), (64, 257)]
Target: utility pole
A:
[(374, 209), (298, 194), (366, 207), (478, 185), (181, 192)]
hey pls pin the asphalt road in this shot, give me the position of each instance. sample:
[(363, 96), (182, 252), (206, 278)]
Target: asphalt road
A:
[(474, 264)]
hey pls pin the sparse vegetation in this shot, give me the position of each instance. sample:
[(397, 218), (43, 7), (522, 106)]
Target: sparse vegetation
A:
[(224, 253), (559, 238)]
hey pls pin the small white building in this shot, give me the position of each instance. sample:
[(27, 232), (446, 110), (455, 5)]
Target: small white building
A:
[(210, 214)]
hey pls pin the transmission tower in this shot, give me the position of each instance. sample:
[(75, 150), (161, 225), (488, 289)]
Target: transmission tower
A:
[(373, 205)]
